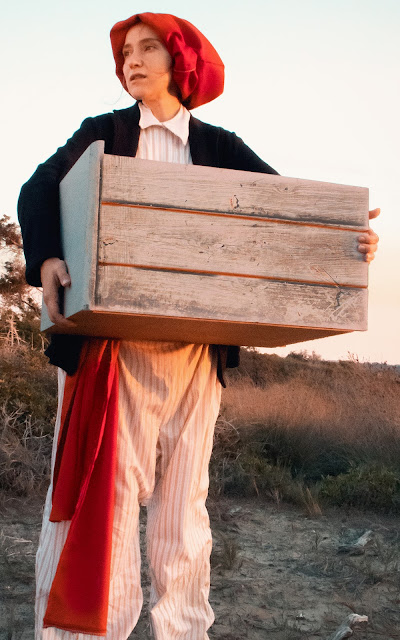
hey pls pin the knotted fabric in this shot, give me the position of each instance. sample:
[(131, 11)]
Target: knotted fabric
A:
[(83, 491), (197, 68)]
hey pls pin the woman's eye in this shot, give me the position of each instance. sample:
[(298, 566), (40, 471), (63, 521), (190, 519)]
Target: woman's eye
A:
[(148, 47)]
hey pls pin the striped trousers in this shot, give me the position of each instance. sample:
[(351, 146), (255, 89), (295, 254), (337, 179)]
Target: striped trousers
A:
[(169, 398)]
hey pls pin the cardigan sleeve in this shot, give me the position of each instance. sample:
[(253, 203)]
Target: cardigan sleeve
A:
[(38, 204)]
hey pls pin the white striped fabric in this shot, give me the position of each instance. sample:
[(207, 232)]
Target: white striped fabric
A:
[(169, 399), (157, 142)]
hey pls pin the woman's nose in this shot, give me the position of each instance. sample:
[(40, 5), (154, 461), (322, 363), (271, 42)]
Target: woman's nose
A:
[(134, 60)]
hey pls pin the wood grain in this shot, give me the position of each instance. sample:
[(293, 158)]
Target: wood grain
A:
[(257, 247), (230, 298), (210, 255), (131, 180)]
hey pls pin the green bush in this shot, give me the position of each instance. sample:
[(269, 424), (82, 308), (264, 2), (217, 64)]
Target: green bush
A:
[(282, 446), (248, 475), (371, 486)]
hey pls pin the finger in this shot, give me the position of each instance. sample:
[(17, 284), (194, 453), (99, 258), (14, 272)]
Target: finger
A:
[(61, 321), (51, 287), (51, 302), (62, 274), (56, 317), (369, 238), (53, 310), (373, 242), (367, 248), (374, 213)]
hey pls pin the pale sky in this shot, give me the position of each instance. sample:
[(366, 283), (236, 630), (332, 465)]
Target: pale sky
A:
[(313, 87)]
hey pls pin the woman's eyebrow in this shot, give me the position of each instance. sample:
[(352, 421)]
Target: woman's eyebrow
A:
[(128, 46), (146, 40)]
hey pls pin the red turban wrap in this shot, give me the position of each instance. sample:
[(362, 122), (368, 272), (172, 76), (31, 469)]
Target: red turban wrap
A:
[(197, 68)]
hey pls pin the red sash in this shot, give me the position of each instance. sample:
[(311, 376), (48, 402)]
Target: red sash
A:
[(83, 491)]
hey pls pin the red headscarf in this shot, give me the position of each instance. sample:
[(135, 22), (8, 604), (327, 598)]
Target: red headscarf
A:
[(197, 68)]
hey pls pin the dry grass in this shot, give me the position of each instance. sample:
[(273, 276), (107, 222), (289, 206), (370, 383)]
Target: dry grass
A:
[(351, 404), (287, 424), (28, 397), (225, 555), (288, 402), (25, 451), (339, 395)]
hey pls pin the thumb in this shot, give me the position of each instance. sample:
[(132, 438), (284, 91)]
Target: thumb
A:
[(63, 275), (374, 213)]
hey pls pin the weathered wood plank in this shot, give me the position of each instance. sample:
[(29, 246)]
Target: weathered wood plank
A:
[(131, 180), (257, 247), (230, 298)]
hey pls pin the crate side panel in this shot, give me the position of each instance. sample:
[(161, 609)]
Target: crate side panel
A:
[(230, 298), (79, 206), (225, 244), (79, 198), (132, 180)]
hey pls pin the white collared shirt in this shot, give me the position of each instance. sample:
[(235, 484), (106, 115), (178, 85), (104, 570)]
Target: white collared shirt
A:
[(164, 141)]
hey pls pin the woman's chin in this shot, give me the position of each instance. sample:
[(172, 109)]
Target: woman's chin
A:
[(136, 95)]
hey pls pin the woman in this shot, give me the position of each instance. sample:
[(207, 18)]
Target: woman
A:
[(162, 398)]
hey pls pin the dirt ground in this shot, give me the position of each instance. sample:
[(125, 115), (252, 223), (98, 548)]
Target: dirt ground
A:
[(277, 573)]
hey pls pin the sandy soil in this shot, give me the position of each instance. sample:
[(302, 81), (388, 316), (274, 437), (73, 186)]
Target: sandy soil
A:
[(276, 572)]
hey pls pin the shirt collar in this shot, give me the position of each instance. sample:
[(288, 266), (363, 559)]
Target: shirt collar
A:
[(179, 124)]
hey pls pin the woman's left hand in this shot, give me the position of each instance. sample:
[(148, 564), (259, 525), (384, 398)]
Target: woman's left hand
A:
[(368, 241)]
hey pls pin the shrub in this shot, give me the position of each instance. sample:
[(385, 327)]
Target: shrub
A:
[(371, 486), (28, 384), (24, 459), (28, 403)]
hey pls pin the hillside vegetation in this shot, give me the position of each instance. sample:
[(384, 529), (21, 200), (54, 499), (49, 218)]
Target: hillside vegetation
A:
[(310, 431), (295, 429)]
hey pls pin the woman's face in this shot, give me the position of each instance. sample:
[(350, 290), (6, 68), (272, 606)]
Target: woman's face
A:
[(147, 65)]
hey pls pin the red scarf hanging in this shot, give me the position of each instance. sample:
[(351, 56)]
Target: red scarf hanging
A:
[(83, 491)]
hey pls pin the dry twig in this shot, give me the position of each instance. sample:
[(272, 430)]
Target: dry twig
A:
[(346, 628), (357, 548)]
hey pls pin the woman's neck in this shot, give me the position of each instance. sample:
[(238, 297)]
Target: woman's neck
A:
[(164, 109)]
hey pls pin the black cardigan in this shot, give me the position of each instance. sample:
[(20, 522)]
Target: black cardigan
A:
[(38, 205)]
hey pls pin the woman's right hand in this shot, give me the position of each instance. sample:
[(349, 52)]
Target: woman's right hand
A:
[(54, 275)]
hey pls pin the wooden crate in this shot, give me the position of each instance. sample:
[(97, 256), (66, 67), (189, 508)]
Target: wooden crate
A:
[(163, 251)]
